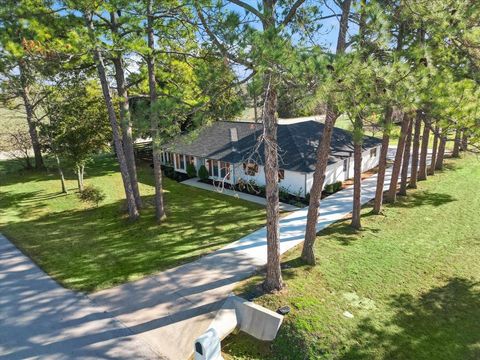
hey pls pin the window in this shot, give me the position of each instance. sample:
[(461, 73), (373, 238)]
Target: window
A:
[(225, 170), (281, 174), (373, 152), (179, 159), (251, 169), (212, 167), (345, 165), (166, 158), (190, 159)]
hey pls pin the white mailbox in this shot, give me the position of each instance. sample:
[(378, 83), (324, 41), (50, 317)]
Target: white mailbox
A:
[(207, 346)]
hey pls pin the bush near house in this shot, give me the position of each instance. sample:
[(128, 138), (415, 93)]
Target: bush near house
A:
[(191, 171), (203, 173)]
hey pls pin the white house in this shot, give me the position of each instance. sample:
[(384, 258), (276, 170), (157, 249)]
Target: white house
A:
[(231, 152)]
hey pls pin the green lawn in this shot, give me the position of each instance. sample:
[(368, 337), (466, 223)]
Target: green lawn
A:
[(88, 248), (411, 279)]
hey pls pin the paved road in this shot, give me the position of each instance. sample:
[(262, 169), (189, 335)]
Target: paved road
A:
[(41, 320)]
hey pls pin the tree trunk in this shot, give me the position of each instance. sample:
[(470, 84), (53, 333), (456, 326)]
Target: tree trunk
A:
[(126, 126), (431, 169), (415, 150), (32, 127), (343, 27), (156, 148), (80, 169), (357, 184), (255, 106), (273, 279), (456, 144), (406, 161), (323, 151), (131, 204), (392, 191), (465, 140), (60, 173), (125, 116), (441, 152), (422, 169), (382, 163)]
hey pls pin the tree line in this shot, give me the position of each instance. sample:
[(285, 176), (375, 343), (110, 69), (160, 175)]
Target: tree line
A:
[(406, 67)]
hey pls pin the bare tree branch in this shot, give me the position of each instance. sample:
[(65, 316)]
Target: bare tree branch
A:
[(248, 8), (292, 12)]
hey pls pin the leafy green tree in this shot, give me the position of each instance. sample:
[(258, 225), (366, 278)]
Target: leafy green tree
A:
[(78, 127), (22, 26)]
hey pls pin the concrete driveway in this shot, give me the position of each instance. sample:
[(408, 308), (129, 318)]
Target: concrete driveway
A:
[(41, 320)]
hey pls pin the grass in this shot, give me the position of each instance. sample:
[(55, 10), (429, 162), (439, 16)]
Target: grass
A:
[(411, 279), (88, 249)]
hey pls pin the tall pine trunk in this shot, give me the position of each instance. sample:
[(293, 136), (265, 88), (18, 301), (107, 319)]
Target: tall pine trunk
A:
[(422, 169), (406, 161), (323, 151), (112, 117), (457, 144), (382, 163), (392, 191), (125, 116), (431, 168), (126, 126), (357, 176), (415, 150), (441, 152), (156, 148), (273, 279), (32, 127)]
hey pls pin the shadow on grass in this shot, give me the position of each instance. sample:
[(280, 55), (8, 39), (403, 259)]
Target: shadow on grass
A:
[(443, 323), (424, 198)]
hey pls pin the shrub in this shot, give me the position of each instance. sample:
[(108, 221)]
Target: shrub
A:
[(203, 173), (179, 176), (191, 170), (169, 172), (329, 189), (337, 186), (92, 194), (283, 194)]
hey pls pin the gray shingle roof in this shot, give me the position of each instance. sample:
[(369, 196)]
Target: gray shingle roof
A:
[(297, 144)]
